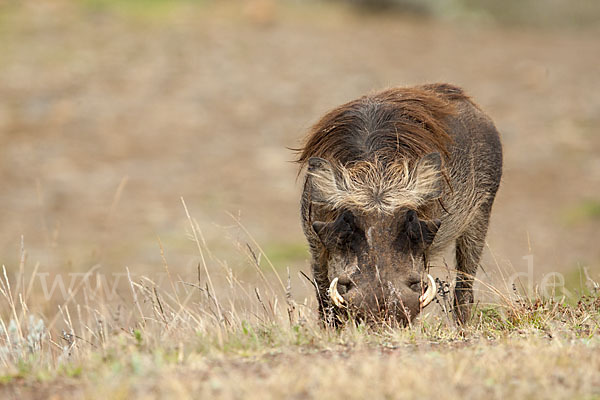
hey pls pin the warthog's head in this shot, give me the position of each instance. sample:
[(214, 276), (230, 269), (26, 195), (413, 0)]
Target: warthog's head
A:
[(376, 243)]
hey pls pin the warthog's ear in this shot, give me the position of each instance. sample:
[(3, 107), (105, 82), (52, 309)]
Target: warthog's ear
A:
[(428, 176), (322, 180)]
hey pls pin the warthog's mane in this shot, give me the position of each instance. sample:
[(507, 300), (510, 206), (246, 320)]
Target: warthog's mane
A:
[(374, 144), (376, 186)]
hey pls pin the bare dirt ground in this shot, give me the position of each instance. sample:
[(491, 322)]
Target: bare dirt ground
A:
[(109, 116)]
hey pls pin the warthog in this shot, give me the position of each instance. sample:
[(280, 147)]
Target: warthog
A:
[(394, 179)]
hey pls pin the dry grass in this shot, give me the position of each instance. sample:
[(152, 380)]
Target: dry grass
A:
[(193, 339)]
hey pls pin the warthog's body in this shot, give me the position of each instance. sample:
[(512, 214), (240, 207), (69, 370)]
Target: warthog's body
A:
[(393, 179)]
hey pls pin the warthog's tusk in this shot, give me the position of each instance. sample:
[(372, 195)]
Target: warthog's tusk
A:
[(429, 295), (335, 296)]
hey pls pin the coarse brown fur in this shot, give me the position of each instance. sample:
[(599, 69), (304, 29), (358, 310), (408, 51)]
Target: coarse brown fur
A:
[(402, 123), (427, 148)]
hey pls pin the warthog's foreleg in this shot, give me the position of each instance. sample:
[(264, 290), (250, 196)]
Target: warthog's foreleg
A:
[(322, 285), (469, 247)]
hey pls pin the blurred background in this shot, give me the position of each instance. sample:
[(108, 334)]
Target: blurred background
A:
[(112, 110)]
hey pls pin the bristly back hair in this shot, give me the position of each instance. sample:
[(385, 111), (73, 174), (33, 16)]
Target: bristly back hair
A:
[(374, 143), (395, 124)]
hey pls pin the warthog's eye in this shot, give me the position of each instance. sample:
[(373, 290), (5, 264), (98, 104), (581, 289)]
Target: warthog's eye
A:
[(417, 235), (343, 233)]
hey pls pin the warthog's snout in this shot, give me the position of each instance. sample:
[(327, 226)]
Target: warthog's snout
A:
[(345, 294)]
